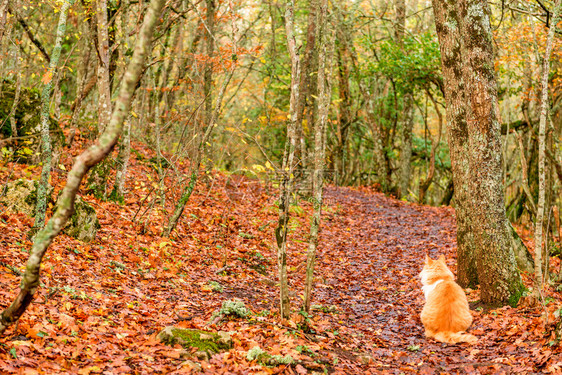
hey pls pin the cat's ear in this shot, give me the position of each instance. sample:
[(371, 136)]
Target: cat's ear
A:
[(442, 257), (427, 259)]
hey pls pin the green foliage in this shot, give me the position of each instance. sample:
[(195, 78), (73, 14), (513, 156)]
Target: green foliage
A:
[(421, 151), (517, 292), (411, 66), (303, 349)]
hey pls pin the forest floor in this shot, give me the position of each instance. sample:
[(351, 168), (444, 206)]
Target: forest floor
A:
[(101, 304)]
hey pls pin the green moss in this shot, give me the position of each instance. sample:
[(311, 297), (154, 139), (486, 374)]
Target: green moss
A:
[(208, 342), (83, 224), (116, 197), (97, 180), (516, 294)]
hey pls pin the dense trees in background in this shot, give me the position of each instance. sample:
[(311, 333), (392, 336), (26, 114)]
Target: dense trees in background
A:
[(435, 103)]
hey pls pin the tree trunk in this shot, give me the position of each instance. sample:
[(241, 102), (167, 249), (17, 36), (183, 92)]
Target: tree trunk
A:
[(306, 90), (12, 114), (496, 266), (324, 96), (3, 17), (407, 123), (446, 23), (210, 48), (46, 147), (406, 147), (89, 158), (82, 76), (539, 223), (344, 106), (287, 182), (426, 183), (104, 84), (97, 181), (122, 162)]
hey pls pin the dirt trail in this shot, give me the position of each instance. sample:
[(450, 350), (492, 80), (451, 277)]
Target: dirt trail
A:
[(374, 251)]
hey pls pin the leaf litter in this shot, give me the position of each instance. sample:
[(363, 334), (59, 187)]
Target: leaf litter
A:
[(102, 304)]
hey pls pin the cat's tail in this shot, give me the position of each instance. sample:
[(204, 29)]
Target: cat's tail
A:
[(455, 337)]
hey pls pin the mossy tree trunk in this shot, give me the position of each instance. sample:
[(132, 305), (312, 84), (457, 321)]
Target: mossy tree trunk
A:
[(287, 177), (12, 115), (3, 17), (324, 96), (497, 269), (467, 57), (451, 60), (97, 181), (122, 162), (84, 162), (426, 183), (344, 105), (407, 115), (406, 133), (306, 86), (46, 146), (539, 223)]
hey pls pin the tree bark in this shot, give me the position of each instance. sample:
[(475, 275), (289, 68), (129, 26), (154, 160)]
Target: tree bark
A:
[(426, 183), (12, 114), (324, 95), (3, 17), (287, 179), (407, 123), (84, 162), (344, 105), (97, 182), (496, 266), (104, 84), (407, 129), (448, 32), (539, 222), (306, 90), (46, 147), (122, 162), (82, 76), (210, 48)]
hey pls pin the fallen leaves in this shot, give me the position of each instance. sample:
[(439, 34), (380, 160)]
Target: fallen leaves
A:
[(102, 303)]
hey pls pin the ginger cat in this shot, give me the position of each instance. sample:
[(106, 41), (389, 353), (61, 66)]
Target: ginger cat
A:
[(445, 314)]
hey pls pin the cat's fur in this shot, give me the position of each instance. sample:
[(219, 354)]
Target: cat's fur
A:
[(445, 314)]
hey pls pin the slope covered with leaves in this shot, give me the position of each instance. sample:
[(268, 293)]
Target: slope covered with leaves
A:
[(102, 304)]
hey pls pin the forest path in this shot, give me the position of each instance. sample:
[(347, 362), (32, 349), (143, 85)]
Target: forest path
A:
[(374, 250)]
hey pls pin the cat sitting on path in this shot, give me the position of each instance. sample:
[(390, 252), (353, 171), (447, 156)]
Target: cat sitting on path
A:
[(445, 315)]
